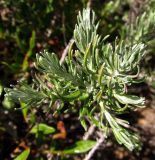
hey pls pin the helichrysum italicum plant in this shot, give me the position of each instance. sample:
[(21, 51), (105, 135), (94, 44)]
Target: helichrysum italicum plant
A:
[(95, 76)]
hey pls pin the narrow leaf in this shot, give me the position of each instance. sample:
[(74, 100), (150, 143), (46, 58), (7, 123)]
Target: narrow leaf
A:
[(129, 99), (24, 155)]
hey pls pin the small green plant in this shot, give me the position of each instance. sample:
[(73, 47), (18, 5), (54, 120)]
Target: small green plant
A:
[(92, 80)]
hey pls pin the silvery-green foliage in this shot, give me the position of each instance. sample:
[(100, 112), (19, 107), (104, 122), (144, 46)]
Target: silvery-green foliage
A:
[(143, 28), (92, 80), (144, 25)]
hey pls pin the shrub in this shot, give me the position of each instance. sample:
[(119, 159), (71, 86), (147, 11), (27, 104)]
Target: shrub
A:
[(93, 80)]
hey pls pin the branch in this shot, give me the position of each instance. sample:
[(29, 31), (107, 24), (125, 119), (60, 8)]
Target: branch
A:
[(89, 132), (89, 3), (93, 150), (65, 51)]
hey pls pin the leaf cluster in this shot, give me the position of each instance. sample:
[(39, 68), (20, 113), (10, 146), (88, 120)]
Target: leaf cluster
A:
[(93, 80)]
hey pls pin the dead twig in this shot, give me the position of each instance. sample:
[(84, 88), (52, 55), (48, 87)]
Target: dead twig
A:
[(89, 132), (89, 3), (93, 150), (65, 51)]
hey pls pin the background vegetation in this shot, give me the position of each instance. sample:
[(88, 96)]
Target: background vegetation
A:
[(30, 26)]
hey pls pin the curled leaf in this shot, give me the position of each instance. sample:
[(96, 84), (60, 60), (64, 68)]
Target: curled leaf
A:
[(130, 99)]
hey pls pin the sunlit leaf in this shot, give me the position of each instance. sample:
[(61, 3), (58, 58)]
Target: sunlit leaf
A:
[(42, 128), (80, 147), (24, 155)]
